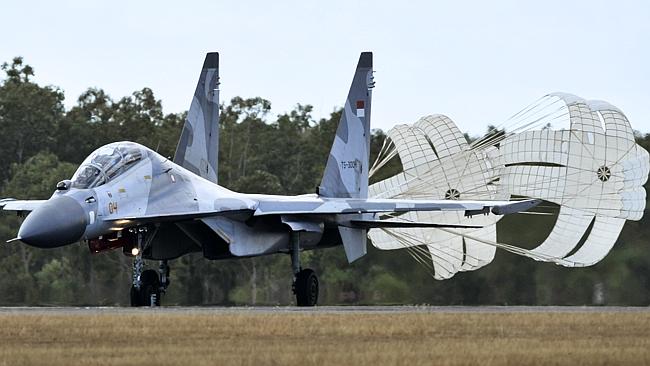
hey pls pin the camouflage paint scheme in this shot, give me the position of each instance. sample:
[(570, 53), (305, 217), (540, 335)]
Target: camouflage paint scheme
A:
[(188, 212), (198, 147)]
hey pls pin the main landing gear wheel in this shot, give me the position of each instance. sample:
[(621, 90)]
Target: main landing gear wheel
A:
[(306, 288), (305, 282)]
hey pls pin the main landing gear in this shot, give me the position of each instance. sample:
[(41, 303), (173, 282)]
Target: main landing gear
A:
[(148, 285), (305, 281)]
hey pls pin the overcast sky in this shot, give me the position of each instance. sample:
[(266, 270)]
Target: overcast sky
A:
[(477, 62)]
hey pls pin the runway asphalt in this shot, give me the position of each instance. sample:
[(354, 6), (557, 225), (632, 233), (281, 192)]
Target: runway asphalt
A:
[(317, 310)]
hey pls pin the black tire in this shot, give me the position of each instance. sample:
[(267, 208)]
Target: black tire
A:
[(146, 292), (149, 277), (135, 297), (306, 288), (150, 285)]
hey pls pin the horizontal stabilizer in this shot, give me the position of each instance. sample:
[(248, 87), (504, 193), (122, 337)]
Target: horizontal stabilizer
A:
[(515, 207), (376, 224)]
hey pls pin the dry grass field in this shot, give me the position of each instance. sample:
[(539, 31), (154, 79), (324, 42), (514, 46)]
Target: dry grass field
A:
[(438, 338)]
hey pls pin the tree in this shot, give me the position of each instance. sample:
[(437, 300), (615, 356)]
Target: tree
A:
[(35, 179), (29, 114)]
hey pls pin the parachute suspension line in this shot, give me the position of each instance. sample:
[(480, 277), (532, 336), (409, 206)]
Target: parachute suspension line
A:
[(418, 243), (520, 251), (409, 238), (416, 254), (495, 137), (510, 248), (524, 110), (423, 183), (386, 153), (412, 241), (542, 120), (623, 156), (373, 168), (547, 107), (542, 106), (539, 114), (424, 258), (591, 153), (438, 255), (470, 158), (490, 139), (441, 251)]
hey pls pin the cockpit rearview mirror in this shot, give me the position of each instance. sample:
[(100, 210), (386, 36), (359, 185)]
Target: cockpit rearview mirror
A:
[(63, 185)]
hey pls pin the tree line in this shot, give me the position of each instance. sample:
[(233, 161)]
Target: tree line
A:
[(43, 143)]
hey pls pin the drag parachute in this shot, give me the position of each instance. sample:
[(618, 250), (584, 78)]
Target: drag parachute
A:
[(577, 154)]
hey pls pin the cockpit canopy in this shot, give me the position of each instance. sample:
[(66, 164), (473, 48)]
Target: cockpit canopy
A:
[(107, 163)]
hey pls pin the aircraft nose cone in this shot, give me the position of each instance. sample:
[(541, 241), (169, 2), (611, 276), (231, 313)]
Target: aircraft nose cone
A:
[(57, 222)]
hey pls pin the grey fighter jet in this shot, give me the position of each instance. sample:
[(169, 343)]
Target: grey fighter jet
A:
[(125, 195)]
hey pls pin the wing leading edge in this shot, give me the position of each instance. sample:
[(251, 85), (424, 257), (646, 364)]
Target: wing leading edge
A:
[(318, 206), (10, 204)]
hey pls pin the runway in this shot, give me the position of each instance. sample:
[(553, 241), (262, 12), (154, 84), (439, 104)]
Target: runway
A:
[(219, 310)]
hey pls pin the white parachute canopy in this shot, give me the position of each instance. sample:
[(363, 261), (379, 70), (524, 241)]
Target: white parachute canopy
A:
[(580, 155)]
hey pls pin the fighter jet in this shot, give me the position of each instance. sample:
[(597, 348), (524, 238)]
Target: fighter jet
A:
[(125, 195)]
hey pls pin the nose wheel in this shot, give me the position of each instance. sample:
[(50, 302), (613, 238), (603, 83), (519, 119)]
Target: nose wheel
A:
[(148, 285), (148, 294), (305, 281)]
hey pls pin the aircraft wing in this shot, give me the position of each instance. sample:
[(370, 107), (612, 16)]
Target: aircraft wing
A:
[(314, 205), (305, 205), (10, 204), (240, 214)]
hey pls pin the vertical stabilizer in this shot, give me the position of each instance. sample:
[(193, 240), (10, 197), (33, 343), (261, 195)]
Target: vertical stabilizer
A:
[(198, 147), (346, 173)]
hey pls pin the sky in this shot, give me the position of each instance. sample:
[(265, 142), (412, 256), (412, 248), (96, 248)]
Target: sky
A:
[(477, 62)]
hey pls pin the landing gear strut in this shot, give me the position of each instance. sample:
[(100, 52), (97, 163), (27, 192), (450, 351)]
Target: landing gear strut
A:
[(148, 285), (305, 281)]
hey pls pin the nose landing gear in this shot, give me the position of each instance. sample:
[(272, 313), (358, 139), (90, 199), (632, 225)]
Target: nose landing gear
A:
[(148, 293), (148, 285)]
